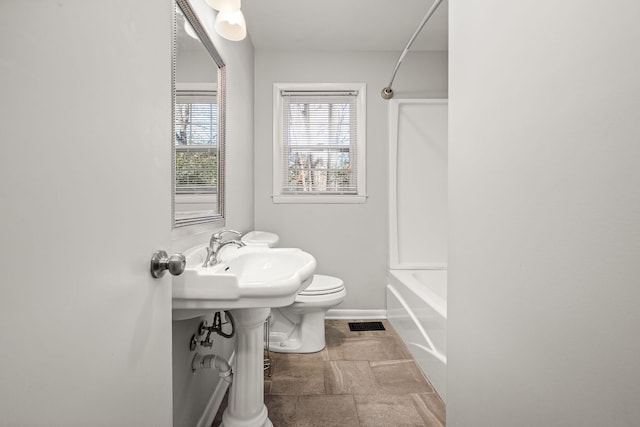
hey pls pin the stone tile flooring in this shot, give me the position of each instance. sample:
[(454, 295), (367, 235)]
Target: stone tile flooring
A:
[(361, 379)]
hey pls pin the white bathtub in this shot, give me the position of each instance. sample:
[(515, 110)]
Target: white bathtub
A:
[(417, 309)]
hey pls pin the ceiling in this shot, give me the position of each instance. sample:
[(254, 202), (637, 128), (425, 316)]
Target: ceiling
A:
[(344, 25)]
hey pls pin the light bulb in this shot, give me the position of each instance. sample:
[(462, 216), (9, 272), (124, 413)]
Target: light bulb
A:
[(189, 30), (231, 25)]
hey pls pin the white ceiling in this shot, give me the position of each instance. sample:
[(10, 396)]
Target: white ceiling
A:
[(347, 25)]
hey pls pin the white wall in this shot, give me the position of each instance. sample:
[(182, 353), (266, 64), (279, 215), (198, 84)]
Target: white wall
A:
[(193, 391), (195, 65), (349, 241), (544, 214)]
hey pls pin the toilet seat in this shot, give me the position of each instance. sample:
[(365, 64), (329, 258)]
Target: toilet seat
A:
[(323, 292), (323, 285)]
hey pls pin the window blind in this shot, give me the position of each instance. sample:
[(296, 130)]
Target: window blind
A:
[(319, 142), (196, 142)]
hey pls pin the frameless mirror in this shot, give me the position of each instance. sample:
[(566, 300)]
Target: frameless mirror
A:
[(198, 122)]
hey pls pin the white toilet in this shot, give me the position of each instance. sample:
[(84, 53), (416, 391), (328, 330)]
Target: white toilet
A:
[(299, 327)]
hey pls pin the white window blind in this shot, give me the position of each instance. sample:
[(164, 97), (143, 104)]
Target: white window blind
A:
[(319, 142), (196, 142)]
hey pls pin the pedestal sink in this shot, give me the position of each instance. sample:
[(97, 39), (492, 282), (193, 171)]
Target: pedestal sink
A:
[(248, 282)]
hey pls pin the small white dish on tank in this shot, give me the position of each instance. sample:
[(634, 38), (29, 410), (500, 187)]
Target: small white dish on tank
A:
[(260, 238)]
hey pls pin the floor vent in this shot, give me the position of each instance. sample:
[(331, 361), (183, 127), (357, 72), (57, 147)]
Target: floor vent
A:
[(366, 326)]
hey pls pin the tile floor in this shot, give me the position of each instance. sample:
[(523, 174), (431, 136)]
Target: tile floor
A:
[(361, 379)]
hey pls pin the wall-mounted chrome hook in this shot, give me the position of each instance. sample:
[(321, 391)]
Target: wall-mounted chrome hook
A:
[(160, 262)]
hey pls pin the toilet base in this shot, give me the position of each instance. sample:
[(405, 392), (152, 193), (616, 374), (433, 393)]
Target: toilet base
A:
[(299, 327), (305, 337)]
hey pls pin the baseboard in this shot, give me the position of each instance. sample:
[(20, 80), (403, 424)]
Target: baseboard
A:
[(346, 314), (209, 414)]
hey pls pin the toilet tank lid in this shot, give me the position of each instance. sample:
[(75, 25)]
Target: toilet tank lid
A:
[(323, 284)]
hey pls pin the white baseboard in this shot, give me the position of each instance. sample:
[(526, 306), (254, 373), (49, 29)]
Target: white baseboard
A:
[(354, 314), (209, 414)]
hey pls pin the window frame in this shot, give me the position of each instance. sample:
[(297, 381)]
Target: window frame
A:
[(278, 166)]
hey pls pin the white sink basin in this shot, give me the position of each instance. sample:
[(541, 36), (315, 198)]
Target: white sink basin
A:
[(247, 277)]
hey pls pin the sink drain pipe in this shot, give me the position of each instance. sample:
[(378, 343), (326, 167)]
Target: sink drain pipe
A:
[(213, 361)]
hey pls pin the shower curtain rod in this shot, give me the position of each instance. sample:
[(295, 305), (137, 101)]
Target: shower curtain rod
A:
[(387, 92)]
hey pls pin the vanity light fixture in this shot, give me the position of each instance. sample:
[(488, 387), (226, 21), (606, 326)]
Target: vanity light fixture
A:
[(187, 27), (230, 22), (231, 25)]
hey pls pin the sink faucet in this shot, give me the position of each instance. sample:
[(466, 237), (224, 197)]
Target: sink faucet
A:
[(216, 244)]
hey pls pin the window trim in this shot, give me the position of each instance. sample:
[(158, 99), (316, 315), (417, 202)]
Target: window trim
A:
[(361, 102)]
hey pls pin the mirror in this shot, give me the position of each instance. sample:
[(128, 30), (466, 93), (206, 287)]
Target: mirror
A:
[(198, 122)]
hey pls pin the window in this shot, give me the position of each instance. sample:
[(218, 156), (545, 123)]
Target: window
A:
[(319, 143), (196, 153), (196, 142)]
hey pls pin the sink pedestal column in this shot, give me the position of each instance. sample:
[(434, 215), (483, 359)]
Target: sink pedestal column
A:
[(246, 397)]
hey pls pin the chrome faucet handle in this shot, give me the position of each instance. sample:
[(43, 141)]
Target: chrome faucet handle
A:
[(207, 259), (238, 243), (216, 243), (214, 255)]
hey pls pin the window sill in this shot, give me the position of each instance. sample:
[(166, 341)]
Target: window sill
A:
[(318, 199)]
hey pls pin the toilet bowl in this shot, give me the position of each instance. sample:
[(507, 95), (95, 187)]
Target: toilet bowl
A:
[(299, 327)]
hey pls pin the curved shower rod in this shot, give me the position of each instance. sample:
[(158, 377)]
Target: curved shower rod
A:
[(387, 92)]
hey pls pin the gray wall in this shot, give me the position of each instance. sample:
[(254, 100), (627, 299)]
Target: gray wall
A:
[(349, 240), (544, 214)]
